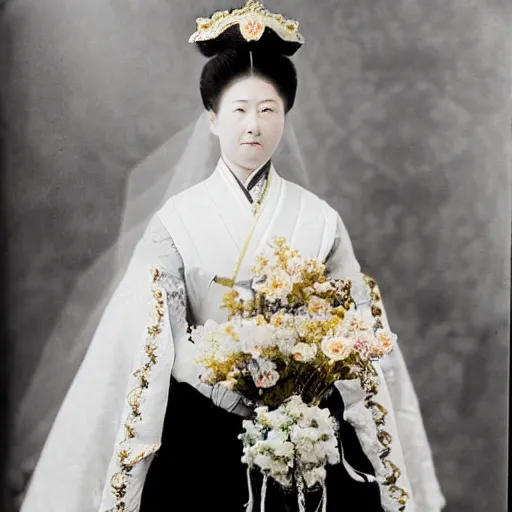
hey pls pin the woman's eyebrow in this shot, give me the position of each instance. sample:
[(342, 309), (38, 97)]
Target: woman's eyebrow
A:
[(263, 101)]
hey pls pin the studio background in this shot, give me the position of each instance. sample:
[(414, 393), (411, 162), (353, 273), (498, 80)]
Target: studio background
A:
[(403, 107)]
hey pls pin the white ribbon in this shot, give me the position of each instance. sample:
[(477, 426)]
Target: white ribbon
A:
[(250, 503), (323, 500), (263, 493), (354, 473), (300, 494)]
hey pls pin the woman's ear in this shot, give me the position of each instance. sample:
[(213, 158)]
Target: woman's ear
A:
[(213, 122)]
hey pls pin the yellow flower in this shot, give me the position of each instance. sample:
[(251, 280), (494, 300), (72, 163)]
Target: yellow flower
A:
[(260, 320), (230, 331)]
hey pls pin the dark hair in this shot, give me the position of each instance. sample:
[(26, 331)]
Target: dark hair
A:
[(231, 61)]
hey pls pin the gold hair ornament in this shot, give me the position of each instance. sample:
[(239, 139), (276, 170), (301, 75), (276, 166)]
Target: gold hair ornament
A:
[(252, 19)]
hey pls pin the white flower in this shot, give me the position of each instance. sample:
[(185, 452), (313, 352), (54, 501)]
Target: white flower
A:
[(385, 340), (313, 265), (210, 326), (263, 373), (336, 349), (354, 321), (293, 439), (261, 411), (226, 348), (252, 431), (278, 420), (277, 447), (294, 406), (323, 287), (318, 306), (294, 266), (277, 286), (304, 352), (304, 435), (315, 415), (301, 325), (284, 449), (267, 380), (315, 475), (264, 461), (276, 434), (254, 337), (332, 452), (285, 340)]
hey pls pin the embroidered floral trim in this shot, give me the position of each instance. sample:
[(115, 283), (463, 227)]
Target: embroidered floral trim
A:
[(394, 473), (379, 412), (119, 481)]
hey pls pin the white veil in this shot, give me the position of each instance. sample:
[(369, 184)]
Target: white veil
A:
[(187, 158)]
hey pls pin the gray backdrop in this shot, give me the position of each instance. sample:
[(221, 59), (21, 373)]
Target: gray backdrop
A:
[(407, 112)]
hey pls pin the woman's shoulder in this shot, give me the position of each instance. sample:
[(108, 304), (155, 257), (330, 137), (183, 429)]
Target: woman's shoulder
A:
[(310, 197), (187, 197)]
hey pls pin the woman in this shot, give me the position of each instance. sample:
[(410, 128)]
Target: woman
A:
[(137, 427)]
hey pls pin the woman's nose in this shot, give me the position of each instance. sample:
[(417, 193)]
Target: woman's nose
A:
[(253, 126)]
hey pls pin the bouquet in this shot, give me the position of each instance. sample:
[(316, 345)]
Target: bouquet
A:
[(285, 344)]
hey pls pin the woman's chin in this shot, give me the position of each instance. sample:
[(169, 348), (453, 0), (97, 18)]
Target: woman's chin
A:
[(253, 162)]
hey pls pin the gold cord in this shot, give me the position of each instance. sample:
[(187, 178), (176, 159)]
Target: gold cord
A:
[(225, 281)]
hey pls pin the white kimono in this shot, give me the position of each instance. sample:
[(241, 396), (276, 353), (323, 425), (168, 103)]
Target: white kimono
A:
[(110, 424)]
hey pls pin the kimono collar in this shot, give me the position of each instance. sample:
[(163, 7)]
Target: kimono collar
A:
[(254, 180)]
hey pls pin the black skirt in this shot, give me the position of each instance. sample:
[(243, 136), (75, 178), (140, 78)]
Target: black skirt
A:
[(199, 465)]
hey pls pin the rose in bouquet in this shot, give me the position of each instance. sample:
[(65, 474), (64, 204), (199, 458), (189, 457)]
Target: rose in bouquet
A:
[(283, 347)]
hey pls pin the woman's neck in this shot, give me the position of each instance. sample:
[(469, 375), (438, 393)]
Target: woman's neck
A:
[(241, 173)]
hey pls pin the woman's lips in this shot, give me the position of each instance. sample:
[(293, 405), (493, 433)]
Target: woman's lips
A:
[(252, 144)]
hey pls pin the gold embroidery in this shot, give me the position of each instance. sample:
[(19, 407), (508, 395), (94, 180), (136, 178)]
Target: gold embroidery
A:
[(379, 412), (395, 472), (130, 432), (398, 494), (131, 462), (119, 481), (384, 438), (134, 398), (143, 375), (118, 484), (123, 455)]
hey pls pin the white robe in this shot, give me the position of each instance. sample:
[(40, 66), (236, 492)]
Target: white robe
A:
[(196, 236)]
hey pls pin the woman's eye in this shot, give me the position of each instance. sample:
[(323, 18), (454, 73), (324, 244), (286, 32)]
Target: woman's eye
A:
[(268, 109), (239, 110)]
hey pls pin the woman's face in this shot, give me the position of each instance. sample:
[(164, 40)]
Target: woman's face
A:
[(249, 123)]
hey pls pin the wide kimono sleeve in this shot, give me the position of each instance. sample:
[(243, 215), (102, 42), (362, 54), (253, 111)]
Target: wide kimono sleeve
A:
[(417, 455), (100, 407)]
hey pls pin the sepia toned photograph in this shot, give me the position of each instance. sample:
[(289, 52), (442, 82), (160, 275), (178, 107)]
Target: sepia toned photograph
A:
[(257, 255)]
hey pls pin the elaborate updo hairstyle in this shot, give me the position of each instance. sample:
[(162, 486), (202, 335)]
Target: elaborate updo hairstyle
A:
[(230, 60)]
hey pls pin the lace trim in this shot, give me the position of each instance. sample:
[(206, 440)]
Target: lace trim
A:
[(119, 480)]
